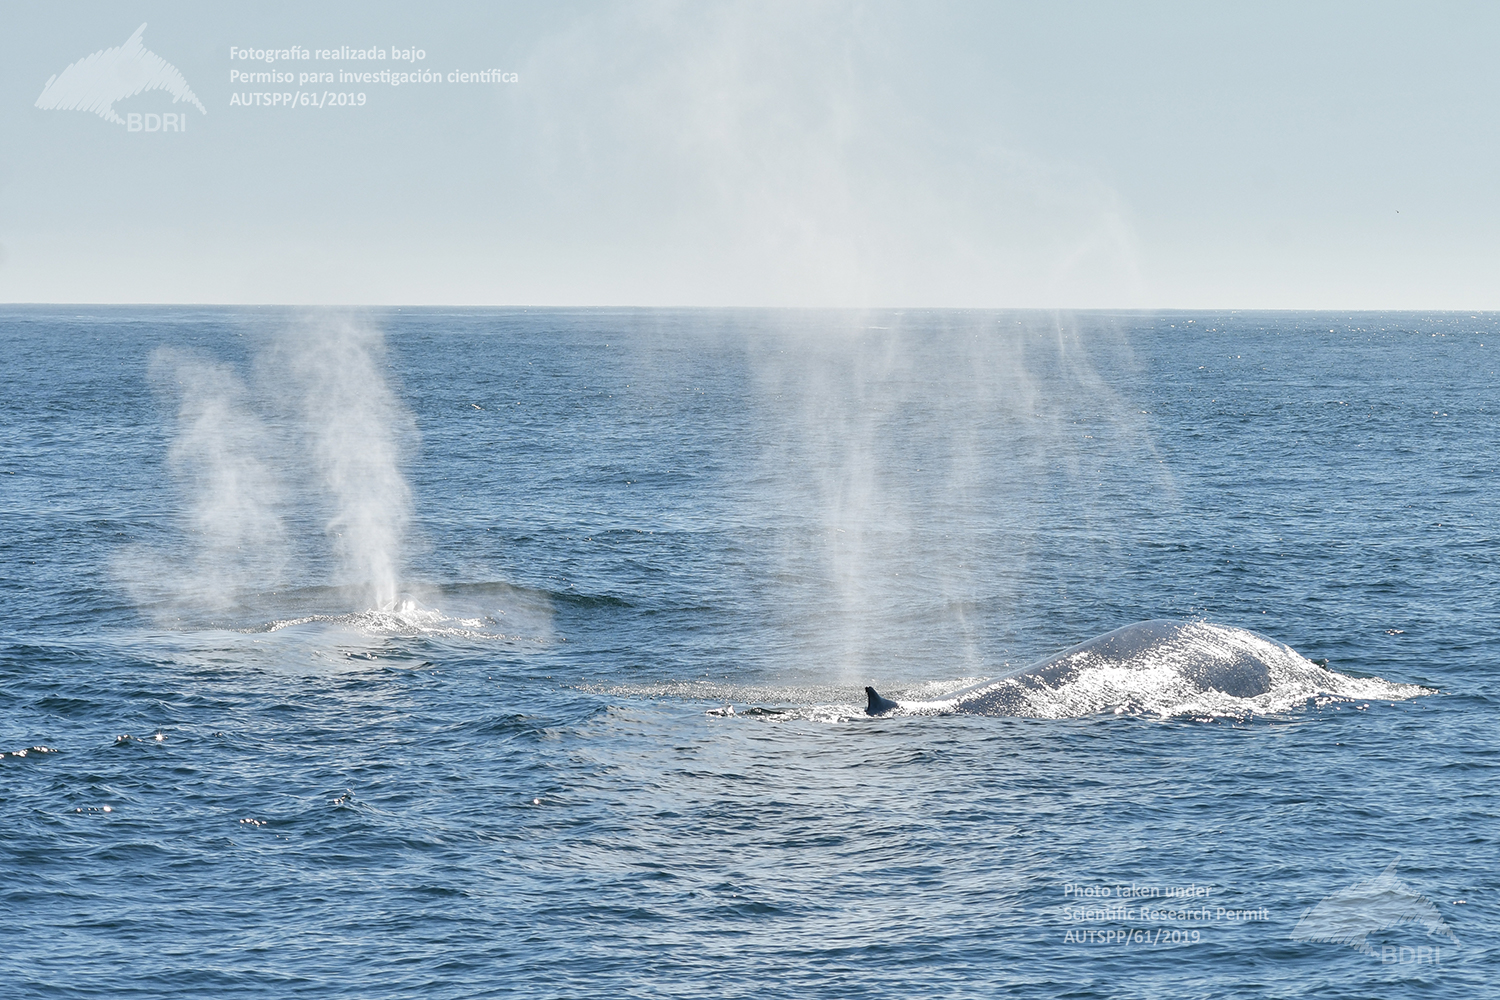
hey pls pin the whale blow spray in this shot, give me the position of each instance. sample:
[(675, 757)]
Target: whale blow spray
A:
[(284, 470), (222, 454), (929, 450), (354, 427)]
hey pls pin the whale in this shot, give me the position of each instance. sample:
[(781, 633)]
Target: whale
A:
[(95, 82), (1177, 662)]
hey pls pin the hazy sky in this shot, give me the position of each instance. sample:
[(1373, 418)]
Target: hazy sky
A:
[(1256, 155)]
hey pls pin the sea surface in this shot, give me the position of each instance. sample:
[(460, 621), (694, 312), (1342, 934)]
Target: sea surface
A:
[(521, 653)]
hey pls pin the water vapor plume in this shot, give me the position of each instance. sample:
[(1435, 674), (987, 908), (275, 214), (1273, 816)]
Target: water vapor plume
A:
[(784, 154), (355, 431), (221, 458), (302, 460), (944, 455)]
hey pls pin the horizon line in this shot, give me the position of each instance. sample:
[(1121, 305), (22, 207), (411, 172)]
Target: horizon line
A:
[(1138, 310)]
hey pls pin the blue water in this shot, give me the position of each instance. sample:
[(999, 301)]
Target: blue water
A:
[(231, 769)]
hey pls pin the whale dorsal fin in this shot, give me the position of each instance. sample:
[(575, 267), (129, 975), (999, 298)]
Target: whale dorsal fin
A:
[(877, 705)]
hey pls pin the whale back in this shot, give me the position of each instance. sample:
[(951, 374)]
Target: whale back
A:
[(1150, 655), (1159, 667), (1206, 656)]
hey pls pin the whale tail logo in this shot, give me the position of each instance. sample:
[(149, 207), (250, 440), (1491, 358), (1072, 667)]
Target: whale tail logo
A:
[(94, 83), (1381, 903)]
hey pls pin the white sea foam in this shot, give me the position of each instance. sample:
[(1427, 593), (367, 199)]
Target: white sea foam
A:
[(403, 619)]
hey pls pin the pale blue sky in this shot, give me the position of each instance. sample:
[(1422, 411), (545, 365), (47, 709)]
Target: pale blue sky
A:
[(1335, 155)]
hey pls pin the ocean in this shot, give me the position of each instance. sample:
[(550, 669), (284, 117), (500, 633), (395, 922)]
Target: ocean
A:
[(493, 653)]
